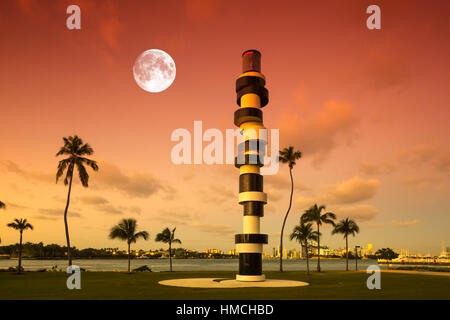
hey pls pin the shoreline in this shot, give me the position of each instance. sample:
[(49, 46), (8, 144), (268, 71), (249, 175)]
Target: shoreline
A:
[(173, 258), (393, 271)]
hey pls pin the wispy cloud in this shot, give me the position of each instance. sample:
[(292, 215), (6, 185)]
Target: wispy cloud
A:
[(387, 70), (57, 213), (361, 212), (28, 6), (374, 225), (183, 216), (93, 200), (417, 155), (215, 229), (218, 194), (109, 176), (353, 190), (318, 133), (201, 11), (12, 167), (175, 216), (373, 168), (110, 25), (136, 184), (346, 192), (397, 223), (11, 205), (274, 195), (420, 181), (443, 163), (281, 181), (104, 205)]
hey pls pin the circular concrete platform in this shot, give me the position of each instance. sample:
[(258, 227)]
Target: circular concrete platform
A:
[(230, 283)]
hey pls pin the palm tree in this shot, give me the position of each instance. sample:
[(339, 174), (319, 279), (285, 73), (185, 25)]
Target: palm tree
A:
[(302, 233), (21, 225), (314, 214), (126, 230), (346, 227), (168, 236), (289, 156), (76, 150)]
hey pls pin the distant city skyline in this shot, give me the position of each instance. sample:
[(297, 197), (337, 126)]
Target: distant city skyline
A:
[(273, 251)]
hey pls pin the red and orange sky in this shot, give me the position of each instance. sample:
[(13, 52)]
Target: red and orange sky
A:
[(369, 109)]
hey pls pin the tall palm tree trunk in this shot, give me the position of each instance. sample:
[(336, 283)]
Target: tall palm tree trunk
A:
[(69, 255), (346, 252), (318, 247), (129, 257), (170, 256), (307, 257), (19, 269), (284, 221)]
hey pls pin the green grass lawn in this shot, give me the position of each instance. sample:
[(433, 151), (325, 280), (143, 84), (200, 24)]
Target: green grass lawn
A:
[(117, 285)]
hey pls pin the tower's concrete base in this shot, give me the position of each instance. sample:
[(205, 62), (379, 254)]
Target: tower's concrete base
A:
[(230, 283), (250, 278)]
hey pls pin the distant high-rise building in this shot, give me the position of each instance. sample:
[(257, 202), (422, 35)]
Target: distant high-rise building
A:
[(369, 251), (404, 252)]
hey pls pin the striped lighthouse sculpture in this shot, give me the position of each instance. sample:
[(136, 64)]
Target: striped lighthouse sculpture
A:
[(252, 96)]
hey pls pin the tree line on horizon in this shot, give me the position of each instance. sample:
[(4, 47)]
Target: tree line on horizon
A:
[(57, 252), (76, 151)]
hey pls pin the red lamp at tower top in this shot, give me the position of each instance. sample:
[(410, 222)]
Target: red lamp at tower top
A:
[(251, 61)]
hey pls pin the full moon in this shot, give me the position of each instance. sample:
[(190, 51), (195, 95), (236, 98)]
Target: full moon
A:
[(154, 70)]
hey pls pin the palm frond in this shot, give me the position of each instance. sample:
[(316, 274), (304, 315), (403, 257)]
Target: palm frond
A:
[(64, 150), (85, 149), (13, 225), (313, 214), (91, 163), (303, 232), (126, 230), (163, 236), (329, 218), (61, 167), (118, 233), (346, 226), (69, 173), (20, 224), (142, 234), (288, 155), (167, 236), (82, 173)]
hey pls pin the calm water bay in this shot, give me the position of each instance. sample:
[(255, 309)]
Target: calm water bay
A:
[(183, 264)]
